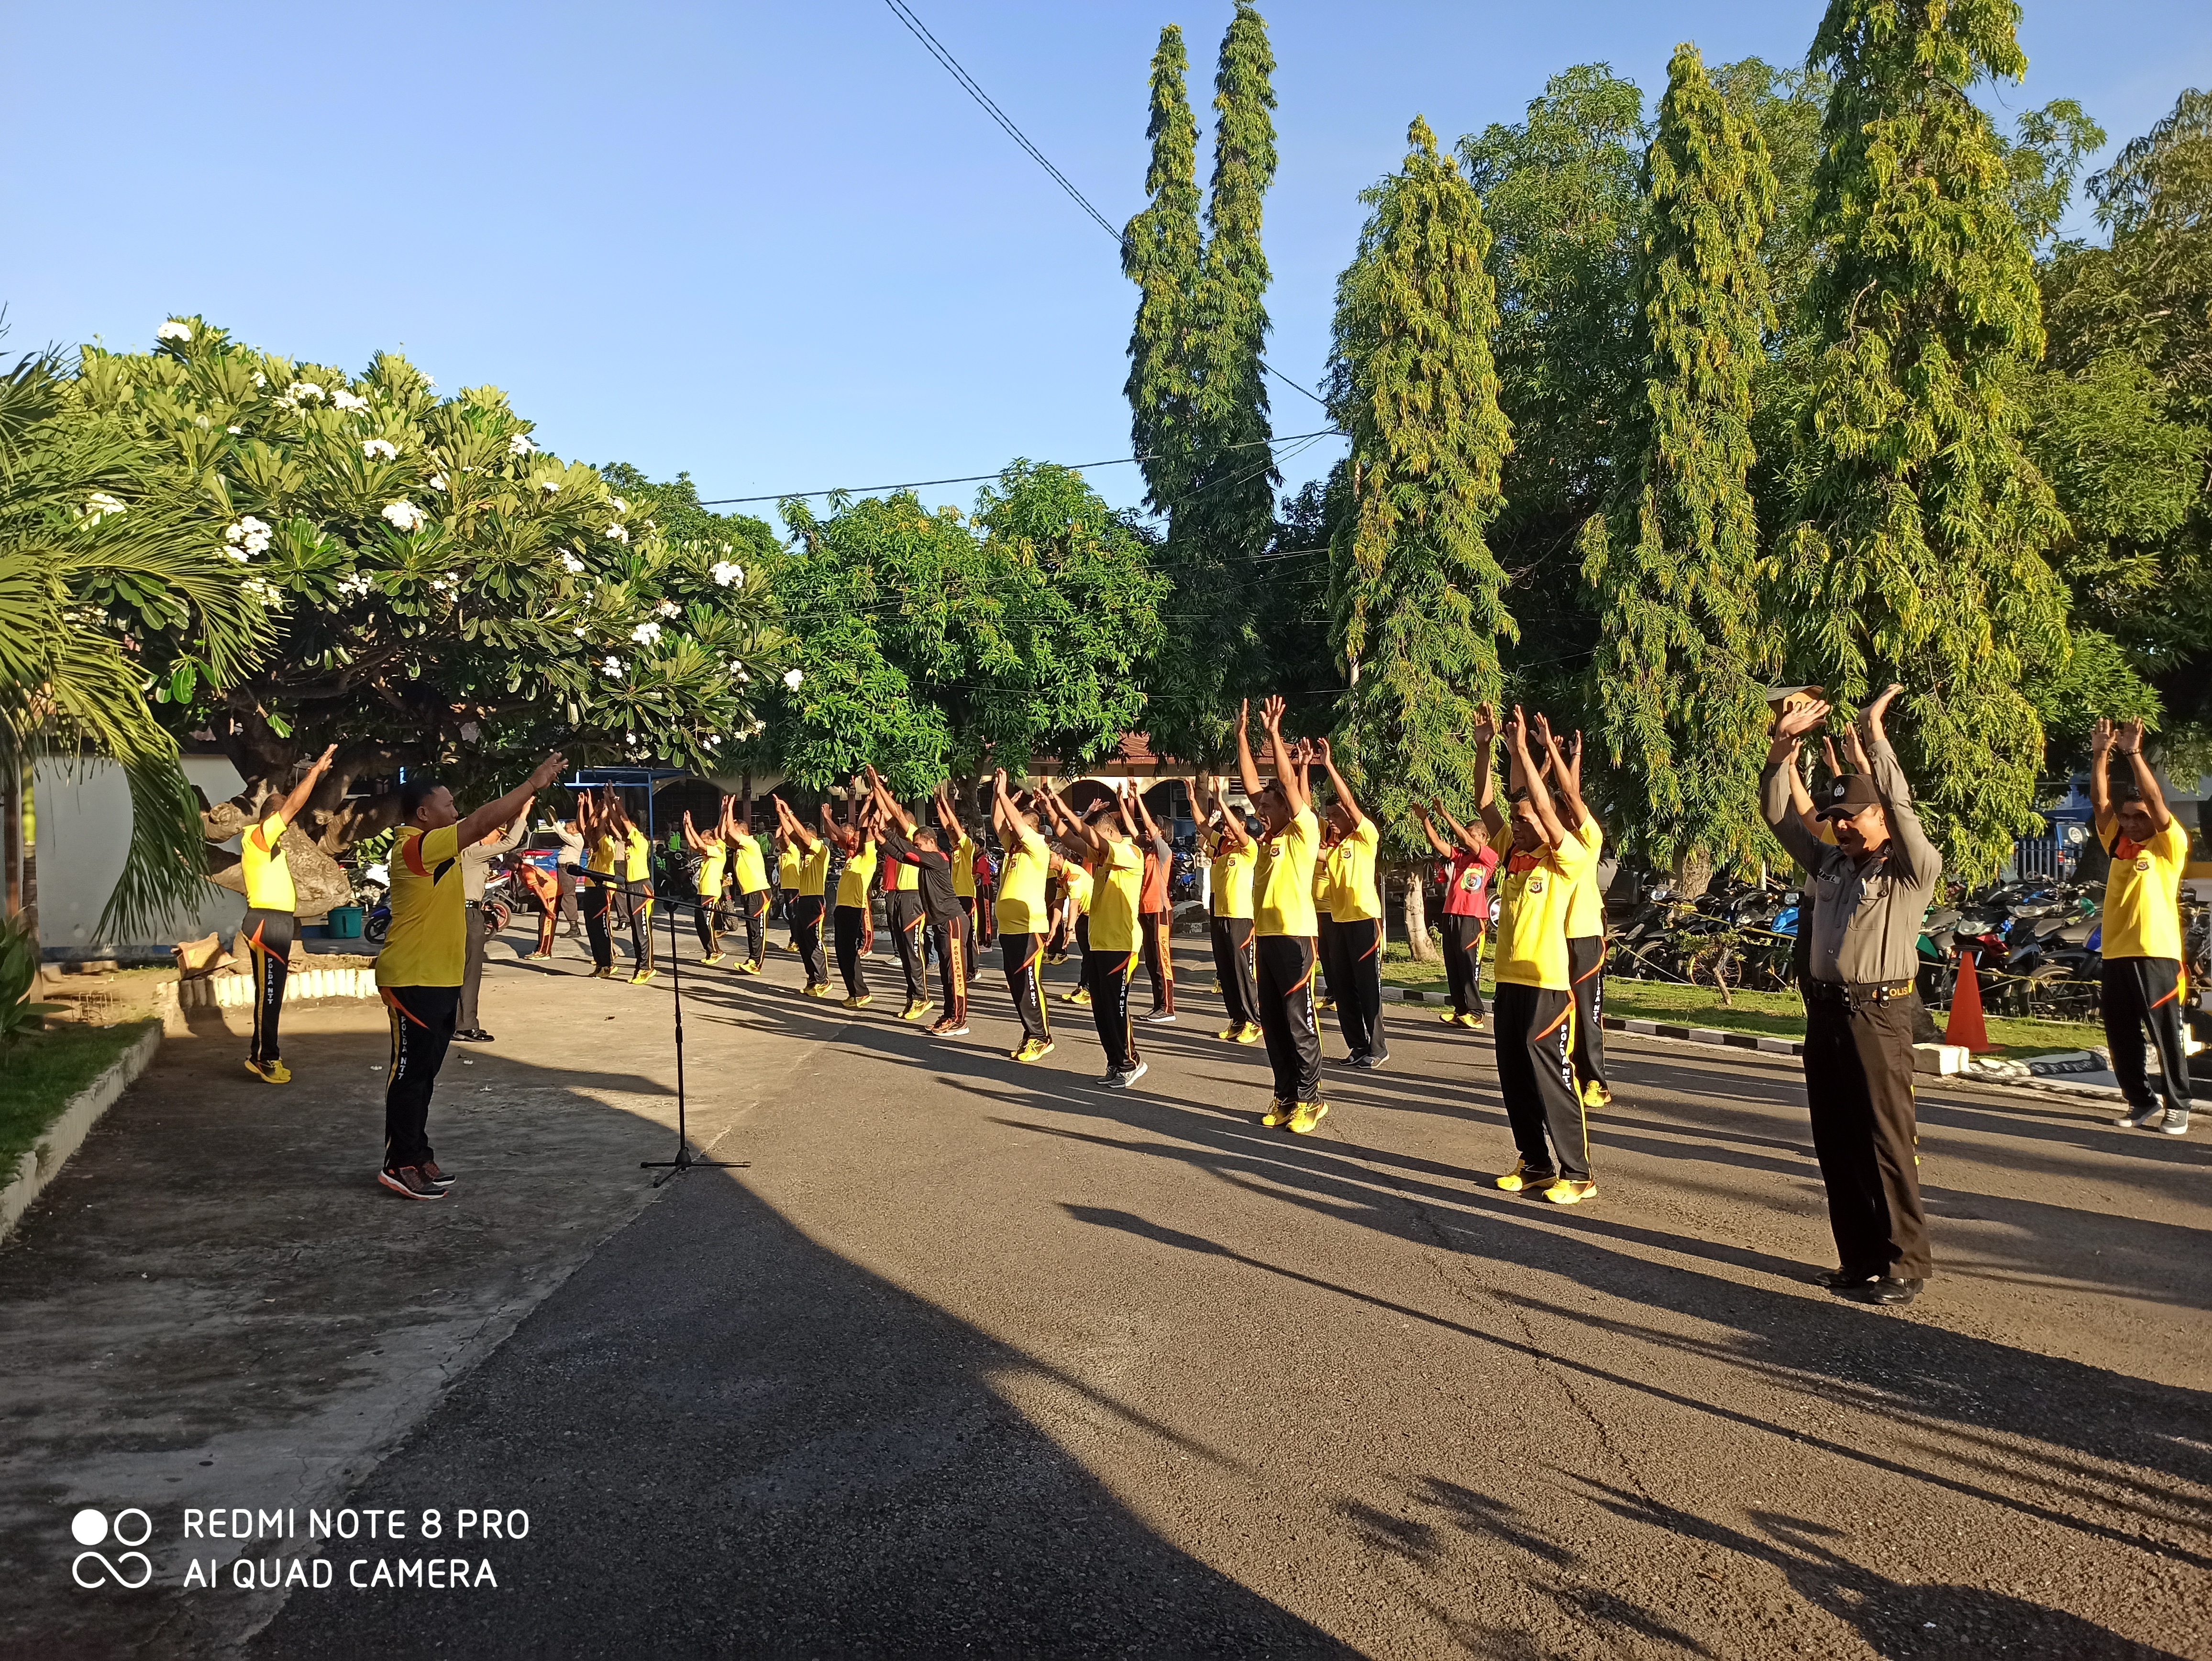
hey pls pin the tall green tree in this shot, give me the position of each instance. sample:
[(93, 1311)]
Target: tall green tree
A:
[(1216, 481), (1418, 598), (1686, 649), (1920, 552)]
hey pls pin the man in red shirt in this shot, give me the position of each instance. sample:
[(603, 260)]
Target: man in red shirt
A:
[(1467, 888)]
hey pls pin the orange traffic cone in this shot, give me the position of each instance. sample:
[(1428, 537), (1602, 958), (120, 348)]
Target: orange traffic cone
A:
[(1965, 1028)]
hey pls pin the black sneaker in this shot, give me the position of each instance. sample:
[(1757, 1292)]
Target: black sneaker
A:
[(472, 1035), (1123, 1081), (1838, 1279), (410, 1181), (1369, 1063), (439, 1179), (1883, 1290)]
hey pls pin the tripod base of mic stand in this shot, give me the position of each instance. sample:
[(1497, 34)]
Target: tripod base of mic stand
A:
[(686, 1161)]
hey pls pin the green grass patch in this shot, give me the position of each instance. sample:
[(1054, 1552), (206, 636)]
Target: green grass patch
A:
[(1772, 1014), (41, 1073)]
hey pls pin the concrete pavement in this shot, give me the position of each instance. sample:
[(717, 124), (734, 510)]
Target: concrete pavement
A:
[(976, 1358)]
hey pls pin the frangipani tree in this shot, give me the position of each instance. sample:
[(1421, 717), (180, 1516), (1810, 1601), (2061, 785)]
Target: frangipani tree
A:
[(443, 592)]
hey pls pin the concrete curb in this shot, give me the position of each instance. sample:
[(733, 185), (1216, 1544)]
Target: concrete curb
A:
[(66, 1135), (233, 991)]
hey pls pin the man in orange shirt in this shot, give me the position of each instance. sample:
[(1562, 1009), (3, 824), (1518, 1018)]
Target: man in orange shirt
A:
[(1155, 916)]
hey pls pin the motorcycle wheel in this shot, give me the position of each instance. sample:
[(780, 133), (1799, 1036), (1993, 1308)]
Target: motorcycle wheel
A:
[(496, 916), (374, 927)]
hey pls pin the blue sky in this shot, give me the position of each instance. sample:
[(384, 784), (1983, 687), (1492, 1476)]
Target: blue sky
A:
[(775, 245)]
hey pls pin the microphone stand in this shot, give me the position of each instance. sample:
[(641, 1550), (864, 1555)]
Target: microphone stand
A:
[(685, 1159)]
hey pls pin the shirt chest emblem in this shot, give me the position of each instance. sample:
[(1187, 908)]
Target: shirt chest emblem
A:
[(2143, 865), (1535, 884)]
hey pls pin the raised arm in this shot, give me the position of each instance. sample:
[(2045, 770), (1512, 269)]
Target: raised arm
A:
[(1248, 774), (1287, 775), (1443, 849), (1567, 768), (1776, 804), (692, 839), (1327, 753), (1889, 781), (493, 814), (295, 798), (948, 813), (887, 807), (1485, 778), (1539, 796), (2153, 799)]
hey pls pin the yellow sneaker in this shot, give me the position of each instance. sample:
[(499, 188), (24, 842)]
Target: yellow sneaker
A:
[(1449, 1017), (817, 989), (1521, 1176), (914, 1012), (270, 1072), (1568, 1191), (1324, 1004), (1473, 1023), (1033, 1050), (1251, 1034), (642, 976), (604, 972), (1081, 995), (751, 966), (1278, 1110), (1231, 1033), (711, 959), (1308, 1115), (1596, 1095)]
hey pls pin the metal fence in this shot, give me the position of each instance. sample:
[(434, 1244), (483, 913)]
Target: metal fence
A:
[(2034, 857)]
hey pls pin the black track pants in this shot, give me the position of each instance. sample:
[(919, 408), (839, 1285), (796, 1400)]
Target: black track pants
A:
[(1463, 962), (599, 903), (1107, 974), (422, 1019), (804, 911), (1283, 966), (906, 920), (1536, 1076), (268, 937), (1356, 983), (1586, 964), (1025, 956), (754, 905), (1159, 960), (953, 950), (1232, 961), (2139, 993), (851, 927)]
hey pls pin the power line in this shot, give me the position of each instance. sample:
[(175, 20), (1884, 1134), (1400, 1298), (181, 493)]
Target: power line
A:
[(977, 479), (904, 13)]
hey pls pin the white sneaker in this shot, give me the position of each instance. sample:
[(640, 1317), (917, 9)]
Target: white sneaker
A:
[(2132, 1120), (1123, 1081), (1159, 1018), (2174, 1122)]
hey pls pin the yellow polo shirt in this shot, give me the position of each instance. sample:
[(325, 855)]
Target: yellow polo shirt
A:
[(427, 945), (963, 868), (603, 857), (711, 866), (1116, 882), (267, 873), (790, 865), (1021, 909), (852, 885), (637, 856), (1353, 895), (748, 864), (1231, 875), (1283, 879), (814, 870), (2143, 914), (1586, 905), (1535, 893)]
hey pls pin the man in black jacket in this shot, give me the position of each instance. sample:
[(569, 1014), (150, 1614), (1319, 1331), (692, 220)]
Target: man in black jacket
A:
[(919, 846)]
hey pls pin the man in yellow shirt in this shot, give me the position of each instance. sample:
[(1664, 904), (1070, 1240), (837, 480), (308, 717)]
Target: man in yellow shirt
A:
[(1107, 834), (271, 920), (804, 901), (425, 953), (1283, 924), (1585, 919), (595, 819), (2141, 939), (748, 879), (1024, 915), (1355, 910), (1231, 851), (713, 854), (790, 864), (856, 839), (1535, 1003)]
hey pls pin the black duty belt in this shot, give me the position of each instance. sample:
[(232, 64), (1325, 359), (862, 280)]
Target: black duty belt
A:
[(1855, 994)]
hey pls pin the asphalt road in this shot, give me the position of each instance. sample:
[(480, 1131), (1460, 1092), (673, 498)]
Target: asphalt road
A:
[(976, 1358), (982, 1359)]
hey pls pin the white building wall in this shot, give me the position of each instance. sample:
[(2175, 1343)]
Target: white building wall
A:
[(84, 829)]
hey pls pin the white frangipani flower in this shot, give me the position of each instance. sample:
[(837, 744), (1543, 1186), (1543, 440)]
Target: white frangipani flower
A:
[(619, 532), (621, 506), (792, 678), (359, 583), (374, 447), (437, 481), (405, 516), (174, 330), (259, 378), (233, 430), (667, 608), (248, 536), (579, 633), (614, 668), (346, 400), (550, 486), (646, 634), (571, 562), (728, 574), (99, 505), (520, 446), (300, 389)]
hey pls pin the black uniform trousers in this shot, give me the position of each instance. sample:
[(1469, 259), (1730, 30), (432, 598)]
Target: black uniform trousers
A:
[(1355, 983), (987, 914), (1107, 974), (804, 911), (1586, 964), (1463, 962), (851, 923), (904, 913), (708, 920), (597, 903), (954, 951), (639, 909), (1232, 961), (1024, 958), (268, 937), (1159, 960), (1324, 932), (1282, 990), (1536, 1077), (754, 906), (1858, 1083), (423, 1021), (2142, 992)]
